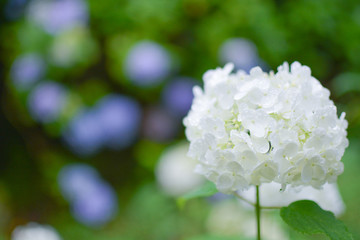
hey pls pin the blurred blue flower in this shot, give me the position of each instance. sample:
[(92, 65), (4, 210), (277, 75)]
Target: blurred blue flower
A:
[(84, 134), (93, 201), (218, 197), (97, 207), (14, 9), (147, 64), (114, 122), (119, 117), (177, 96), (46, 101), (56, 16), (160, 125), (26, 70), (242, 52), (77, 179)]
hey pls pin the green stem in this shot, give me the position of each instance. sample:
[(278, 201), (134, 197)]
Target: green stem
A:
[(257, 210)]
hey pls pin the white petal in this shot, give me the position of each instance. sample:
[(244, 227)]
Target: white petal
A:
[(261, 145), (225, 182), (268, 171), (234, 167), (306, 173), (248, 159), (240, 182), (291, 149)]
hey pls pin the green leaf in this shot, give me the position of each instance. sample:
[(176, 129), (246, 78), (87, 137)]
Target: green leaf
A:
[(206, 190), (307, 217)]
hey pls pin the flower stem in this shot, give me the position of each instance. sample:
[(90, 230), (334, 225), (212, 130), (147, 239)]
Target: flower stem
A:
[(257, 211)]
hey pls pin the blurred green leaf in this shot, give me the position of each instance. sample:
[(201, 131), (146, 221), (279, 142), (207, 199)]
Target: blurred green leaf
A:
[(346, 82), (206, 190), (147, 153), (307, 217)]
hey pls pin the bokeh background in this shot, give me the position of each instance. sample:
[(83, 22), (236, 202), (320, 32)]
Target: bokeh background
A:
[(93, 94)]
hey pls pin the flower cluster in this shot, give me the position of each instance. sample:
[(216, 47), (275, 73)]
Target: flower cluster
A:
[(93, 201), (265, 127)]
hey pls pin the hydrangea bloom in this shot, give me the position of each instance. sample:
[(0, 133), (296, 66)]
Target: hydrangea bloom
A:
[(114, 123), (97, 207), (265, 127), (93, 201), (47, 101), (147, 64), (174, 171), (35, 231), (27, 70), (177, 96), (58, 16)]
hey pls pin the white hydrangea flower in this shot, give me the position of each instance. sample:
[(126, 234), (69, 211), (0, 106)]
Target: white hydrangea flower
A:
[(174, 171), (35, 231), (249, 129), (328, 198)]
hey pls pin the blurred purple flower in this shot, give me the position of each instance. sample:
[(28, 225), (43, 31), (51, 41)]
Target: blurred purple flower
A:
[(84, 134), (77, 179), (218, 197), (97, 207), (56, 16), (147, 64), (26, 70), (93, 201), (177, 96), (47, 101), (159, 125), (119, 118), (242, 52), (114, 122)]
